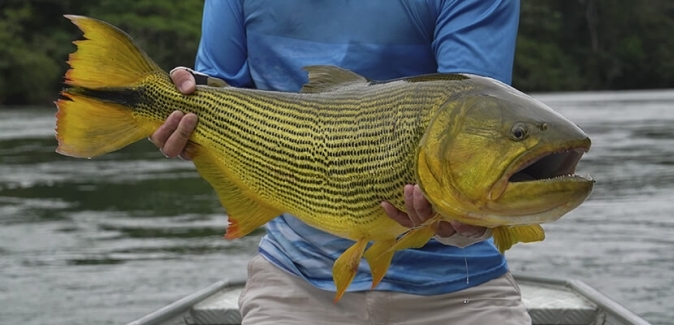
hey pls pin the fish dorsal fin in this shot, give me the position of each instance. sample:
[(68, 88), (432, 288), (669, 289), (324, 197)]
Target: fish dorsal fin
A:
[(326, 78)]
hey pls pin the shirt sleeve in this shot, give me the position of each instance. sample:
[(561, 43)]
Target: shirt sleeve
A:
[(477, 37), (222, 49)]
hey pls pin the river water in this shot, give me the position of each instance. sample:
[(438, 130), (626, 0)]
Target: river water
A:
[(107, 240)]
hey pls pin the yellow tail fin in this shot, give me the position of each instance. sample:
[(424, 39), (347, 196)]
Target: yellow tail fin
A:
[(96, 115), (107, 57), (87, 127)]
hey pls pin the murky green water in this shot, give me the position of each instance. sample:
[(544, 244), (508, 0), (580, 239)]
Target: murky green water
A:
[(107, 240)]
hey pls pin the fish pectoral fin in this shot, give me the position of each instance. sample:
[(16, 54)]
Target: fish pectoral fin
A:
[(345, 267), (326, 78), (505, 237), (379, 256), (414, 238), (245, 211), (418, 237)]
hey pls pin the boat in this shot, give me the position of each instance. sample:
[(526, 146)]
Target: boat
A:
[(548, 301)]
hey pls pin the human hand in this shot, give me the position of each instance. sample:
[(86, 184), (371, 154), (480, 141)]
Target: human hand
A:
[(419, 210), (172, 136)]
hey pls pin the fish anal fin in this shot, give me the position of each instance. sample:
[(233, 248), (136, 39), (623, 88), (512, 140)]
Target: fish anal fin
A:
[(87, 127), (246, 212), (325, 78), (345, 267), (505, 237), (379, 256)]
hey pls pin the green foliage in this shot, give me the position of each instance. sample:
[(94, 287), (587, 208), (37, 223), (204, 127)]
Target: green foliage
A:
[(168, 31), (541, 62), (27, 70), (36, 39), (562, 45), (595, 45), (543, 66)]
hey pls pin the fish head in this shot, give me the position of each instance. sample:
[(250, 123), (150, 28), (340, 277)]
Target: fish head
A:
[(497, 157)]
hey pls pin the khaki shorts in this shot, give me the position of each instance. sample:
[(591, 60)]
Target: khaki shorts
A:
[(273, 296)]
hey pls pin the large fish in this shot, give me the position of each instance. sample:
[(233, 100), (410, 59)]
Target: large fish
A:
[(483, 153)]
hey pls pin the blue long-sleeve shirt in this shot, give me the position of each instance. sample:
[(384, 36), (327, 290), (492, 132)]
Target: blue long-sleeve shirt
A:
[(264, 44)]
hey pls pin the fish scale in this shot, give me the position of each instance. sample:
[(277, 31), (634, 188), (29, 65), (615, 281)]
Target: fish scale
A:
[(341, 166), (353, 144)]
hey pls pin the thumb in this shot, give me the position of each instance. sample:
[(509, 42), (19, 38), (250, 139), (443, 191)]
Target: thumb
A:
[(183, 79)]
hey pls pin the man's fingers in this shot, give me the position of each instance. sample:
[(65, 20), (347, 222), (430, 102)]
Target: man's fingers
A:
[(183, 80), (162, 134), (422, 207), (410, 206), (416, 205), (397, 215), (178, 139), (172, 136), (419, 210)]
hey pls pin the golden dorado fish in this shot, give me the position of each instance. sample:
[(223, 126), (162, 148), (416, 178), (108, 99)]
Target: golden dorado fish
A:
[(483, 153)]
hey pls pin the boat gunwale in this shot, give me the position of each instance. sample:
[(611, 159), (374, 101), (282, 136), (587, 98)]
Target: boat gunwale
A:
[(603, 302), (184, 304)]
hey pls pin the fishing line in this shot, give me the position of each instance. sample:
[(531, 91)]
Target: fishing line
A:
[(465, 259)]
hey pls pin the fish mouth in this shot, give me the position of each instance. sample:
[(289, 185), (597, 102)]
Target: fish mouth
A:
[(540, 186), (544, 166), (557, 165)]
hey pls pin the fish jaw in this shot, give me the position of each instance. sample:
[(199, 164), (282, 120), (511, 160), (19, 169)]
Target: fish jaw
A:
[(540, 186)]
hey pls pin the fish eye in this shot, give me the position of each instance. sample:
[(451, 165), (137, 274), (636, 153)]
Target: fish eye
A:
[(519, 132)]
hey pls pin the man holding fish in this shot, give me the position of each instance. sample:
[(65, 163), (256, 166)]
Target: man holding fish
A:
[(459, 277)]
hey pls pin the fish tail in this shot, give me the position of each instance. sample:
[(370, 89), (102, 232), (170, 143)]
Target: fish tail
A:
[(96, 113), (506, 237)]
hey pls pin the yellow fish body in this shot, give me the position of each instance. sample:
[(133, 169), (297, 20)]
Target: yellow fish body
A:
[(483, 153)]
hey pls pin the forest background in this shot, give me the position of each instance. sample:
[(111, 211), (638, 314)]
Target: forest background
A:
[(570, 45)]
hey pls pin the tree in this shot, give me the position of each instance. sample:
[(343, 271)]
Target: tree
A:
[(27, 70), (562, 45)]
